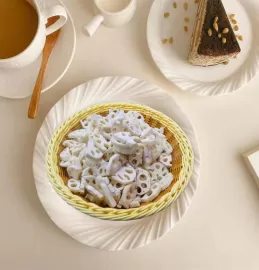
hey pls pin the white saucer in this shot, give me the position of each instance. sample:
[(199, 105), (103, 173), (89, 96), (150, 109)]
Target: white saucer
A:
[(172, 59), (94, 232), (19, 83)]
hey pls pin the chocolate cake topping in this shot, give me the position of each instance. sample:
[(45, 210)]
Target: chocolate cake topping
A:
[(213, 40), (213, 45)]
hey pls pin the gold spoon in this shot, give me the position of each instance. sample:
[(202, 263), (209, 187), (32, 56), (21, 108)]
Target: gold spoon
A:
[(49, 45)]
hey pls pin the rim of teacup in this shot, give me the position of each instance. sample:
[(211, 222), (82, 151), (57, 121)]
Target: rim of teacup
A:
[(116, 12), (37, 8)]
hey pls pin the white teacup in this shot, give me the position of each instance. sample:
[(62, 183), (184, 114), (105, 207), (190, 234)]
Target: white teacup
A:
[(33, 51), (112, 13)]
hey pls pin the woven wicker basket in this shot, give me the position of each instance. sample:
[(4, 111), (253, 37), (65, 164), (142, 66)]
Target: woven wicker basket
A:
[(182, 163)]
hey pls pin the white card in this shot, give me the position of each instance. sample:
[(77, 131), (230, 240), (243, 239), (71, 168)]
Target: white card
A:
[(252, 161)]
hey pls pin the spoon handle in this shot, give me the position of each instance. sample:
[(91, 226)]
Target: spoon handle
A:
[(35, 99), (49, 45)]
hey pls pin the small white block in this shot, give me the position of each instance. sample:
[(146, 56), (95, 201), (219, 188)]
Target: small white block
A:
[(252, 161)]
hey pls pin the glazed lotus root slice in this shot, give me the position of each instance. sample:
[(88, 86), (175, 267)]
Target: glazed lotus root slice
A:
[(100, 168), (65, 155), (73, 161), (87, 162), (118, 126), (133, 127), (86, 123), (124, 143), (91, 122), (80, 135), (123, 159), (120, 116), (117, 186), (93, 152), (90, 180), (93, 199), (166, 181), (133, 115), (136, 123), (125, 175), (94, 192), (113, 165), (77, 149), (157, 176), (107, 195), (152, 193), (157, 166), (143, 181), (166, 159), (148, 140), (70, 143), (83, 183), (101, 179), (64, 164), (136, 159), (128, 195), (96, 183), (146, 130), (75, 186), (125, 139), (111, 152), (111, 116), (156, 151), (112, 113), (100, 142), (123, 151), (108, 154), (87, 172), (167, 147), (74, 171), (147, 157), (135, 203), (118, 123), (116, 194), (158, 171), (106, 133), (159, 132), (104, 122)]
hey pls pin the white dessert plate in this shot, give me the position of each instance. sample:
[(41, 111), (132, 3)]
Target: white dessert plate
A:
[(104, 234), (19, 83), (171, 59)]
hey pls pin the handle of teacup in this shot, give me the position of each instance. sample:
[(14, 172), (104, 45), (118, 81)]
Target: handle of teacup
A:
[(52, 11), (92, 26)]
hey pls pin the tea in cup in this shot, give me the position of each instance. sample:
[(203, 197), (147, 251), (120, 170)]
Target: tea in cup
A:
[(23, 31)]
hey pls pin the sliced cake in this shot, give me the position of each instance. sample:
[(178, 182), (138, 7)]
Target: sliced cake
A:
[(213, 39)]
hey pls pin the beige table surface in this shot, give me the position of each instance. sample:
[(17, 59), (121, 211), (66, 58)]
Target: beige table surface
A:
[(221, 228)]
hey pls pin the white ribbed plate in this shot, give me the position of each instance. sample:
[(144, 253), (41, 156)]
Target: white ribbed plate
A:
[(111, 235), (172, 59)]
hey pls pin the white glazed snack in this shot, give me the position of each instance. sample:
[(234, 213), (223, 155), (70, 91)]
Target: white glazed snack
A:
[(117, 160)]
